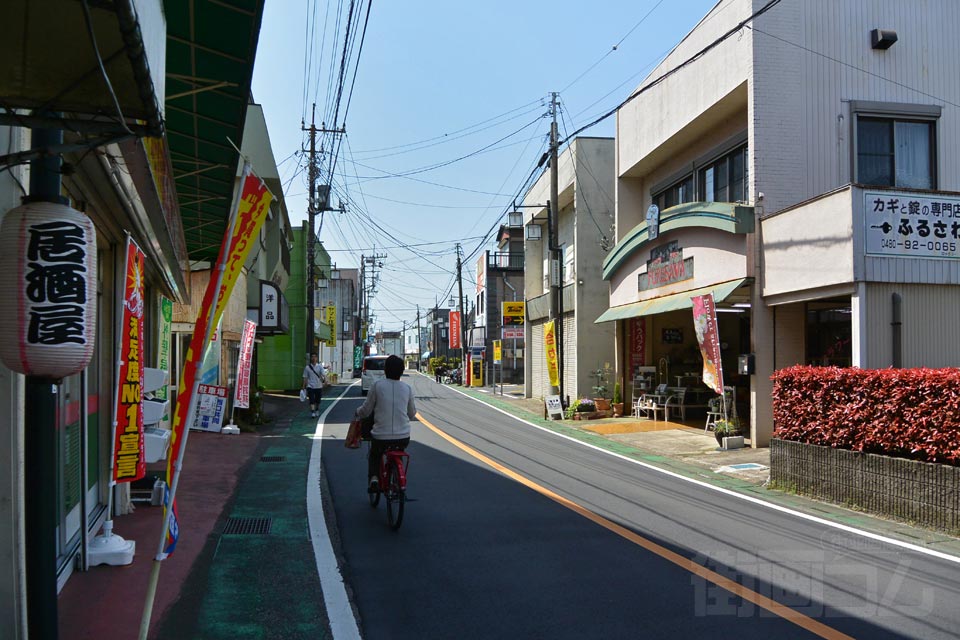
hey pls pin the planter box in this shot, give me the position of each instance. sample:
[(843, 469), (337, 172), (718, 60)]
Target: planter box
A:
[(733, 442), (918, 492)]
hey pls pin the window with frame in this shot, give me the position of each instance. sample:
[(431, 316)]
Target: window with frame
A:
[(678, 193), (725, 179), (896, 152)]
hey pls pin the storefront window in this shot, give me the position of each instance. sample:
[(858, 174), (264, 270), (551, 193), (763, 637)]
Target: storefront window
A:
[(829, 335)]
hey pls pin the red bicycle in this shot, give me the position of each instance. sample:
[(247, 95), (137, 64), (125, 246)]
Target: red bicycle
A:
[(392, 484)]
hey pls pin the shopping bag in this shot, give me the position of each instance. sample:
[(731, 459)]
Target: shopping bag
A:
[(353, 435), (303, 395)]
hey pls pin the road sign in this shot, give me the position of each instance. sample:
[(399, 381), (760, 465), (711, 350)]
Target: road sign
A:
[(513, 313)]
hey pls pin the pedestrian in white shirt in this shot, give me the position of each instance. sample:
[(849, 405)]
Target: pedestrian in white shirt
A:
[(313, 380)]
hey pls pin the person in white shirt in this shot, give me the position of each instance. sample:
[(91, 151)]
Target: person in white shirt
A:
[(313, 380), (391, 404)]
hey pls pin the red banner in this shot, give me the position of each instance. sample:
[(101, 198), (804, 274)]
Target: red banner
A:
[(129, 463), (454, 330), (241, 393), (705, 324), (252, 209)]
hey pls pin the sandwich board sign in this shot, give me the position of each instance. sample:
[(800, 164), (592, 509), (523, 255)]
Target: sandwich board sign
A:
[(554, 407)]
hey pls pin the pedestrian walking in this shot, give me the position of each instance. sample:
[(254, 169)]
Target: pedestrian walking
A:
[(313, 381)]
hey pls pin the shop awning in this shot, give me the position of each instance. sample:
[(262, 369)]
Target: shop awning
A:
[(673, 302)]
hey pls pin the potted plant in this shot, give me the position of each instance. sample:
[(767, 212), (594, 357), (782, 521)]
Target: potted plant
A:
[(617, 400), (725, 428)]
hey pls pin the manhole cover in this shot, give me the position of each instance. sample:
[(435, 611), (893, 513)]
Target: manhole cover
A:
[(273, 458), (248, 526)]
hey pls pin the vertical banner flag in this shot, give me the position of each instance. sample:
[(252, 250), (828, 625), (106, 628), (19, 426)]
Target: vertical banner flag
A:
[(164, 344), (209, 372), (241, 392), (129, 463), (357, 358), (332, 321), (454, 330), (638, 342), (252, 208), (550, 349), (705, 324)]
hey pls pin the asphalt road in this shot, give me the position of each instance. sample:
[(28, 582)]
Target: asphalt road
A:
[(480, 555)]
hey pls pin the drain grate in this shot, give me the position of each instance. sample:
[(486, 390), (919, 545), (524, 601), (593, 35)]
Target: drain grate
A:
[(273, 458), (248, 526)]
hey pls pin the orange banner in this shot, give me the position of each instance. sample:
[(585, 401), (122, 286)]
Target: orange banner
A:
[(129, 463), (251, 212), (550, 348)]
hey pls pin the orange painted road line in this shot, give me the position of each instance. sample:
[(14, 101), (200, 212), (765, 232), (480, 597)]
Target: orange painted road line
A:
[(797, 618)]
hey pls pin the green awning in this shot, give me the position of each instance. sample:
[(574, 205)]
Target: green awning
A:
[(673, 302), (211, 48)]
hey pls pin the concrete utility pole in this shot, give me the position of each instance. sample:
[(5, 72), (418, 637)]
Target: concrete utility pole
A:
[(463, 324), (419, 333), (313, 208), (556, 263), (311, 220)]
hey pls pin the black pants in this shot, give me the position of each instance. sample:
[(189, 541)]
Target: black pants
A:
[(315, 394), (377, 447)]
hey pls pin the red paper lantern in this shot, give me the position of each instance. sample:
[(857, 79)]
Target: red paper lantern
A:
[(48, 274)]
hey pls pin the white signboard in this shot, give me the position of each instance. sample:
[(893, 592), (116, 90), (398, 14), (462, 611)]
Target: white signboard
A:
[(554, 407), (513, 333), (912, 224), (269, 305), (211, 405), (653, 222)]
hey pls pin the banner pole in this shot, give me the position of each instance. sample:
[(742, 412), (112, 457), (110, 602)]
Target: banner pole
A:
[(191, 410)]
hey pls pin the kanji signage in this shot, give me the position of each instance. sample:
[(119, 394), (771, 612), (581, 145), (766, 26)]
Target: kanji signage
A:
[(48, 270), (211, 405), (912, 224), (129, 463)]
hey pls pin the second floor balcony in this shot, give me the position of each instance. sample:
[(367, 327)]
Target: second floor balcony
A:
[(506, 261)]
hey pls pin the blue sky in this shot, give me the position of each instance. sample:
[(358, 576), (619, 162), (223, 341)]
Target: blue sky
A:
[(456, 78)]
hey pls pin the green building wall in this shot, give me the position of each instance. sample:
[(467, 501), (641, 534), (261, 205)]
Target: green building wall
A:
[(280, 359)]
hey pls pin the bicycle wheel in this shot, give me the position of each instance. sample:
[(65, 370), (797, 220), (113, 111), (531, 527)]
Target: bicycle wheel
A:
[(395, 495)]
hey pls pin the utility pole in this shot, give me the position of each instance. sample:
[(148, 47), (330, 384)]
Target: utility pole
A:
[(556, 266), (419, 333), (463, 323), (312, 210), (311, 218)]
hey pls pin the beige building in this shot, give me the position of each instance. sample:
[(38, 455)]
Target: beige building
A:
[(803, 172), (585, 179)]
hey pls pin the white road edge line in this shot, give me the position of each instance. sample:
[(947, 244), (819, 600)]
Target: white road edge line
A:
[(763, 503), (343, 623)]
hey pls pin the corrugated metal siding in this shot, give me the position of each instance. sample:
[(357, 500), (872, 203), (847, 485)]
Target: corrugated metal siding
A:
[(570, 372), (538, 361), (929, 325), (915, 270)]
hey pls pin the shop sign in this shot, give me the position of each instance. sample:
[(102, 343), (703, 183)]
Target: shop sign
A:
[(512, 333), (666, 266), (513, 313), (638, 342), (332, 322), (211, 405), (241, 392), (48, 274), (497, 352), (912, 224), (454, 330)]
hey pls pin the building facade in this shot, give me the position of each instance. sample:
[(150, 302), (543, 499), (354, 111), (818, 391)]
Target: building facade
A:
[(803, 174), (585, 227)]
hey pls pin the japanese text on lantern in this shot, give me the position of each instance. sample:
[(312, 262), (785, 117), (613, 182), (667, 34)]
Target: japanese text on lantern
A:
[(56, 282)]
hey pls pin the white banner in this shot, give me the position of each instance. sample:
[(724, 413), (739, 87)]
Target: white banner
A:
[(241, 392)]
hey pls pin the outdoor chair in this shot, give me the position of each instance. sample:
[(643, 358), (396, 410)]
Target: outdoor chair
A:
[(678, 402)]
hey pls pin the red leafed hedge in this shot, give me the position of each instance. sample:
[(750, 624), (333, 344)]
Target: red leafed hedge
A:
[(907, 413)]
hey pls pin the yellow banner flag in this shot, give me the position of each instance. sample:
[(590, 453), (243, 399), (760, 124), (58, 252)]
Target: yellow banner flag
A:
[(550, 347)]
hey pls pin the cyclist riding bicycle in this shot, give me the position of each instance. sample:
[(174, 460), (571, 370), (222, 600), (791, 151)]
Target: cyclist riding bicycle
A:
[(390, 401)]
